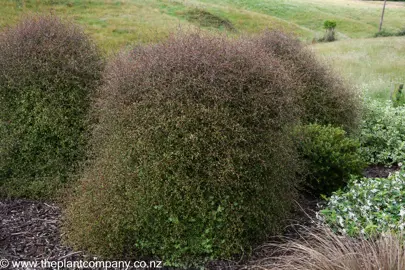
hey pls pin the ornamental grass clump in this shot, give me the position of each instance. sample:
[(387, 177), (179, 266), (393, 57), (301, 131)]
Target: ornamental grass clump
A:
[(320, 248), (48, 70)]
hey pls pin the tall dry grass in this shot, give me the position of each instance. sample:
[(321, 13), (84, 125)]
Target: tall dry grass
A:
[(322, 249)]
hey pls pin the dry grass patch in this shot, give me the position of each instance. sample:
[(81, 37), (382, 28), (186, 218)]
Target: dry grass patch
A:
[(322, 249)]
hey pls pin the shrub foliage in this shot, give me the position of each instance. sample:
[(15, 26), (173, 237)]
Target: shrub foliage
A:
[(49, 68), (325, 98), (383, 133), (191, 158), (331, 157)]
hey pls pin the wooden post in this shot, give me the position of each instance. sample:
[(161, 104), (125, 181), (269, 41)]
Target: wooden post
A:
[(382, 16)]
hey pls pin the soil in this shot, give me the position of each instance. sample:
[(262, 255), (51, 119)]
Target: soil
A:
[(380, 171)]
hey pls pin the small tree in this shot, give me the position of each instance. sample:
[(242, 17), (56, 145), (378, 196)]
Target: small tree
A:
[(329, 26)]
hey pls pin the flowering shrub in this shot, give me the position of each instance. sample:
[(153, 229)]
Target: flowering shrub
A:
[(368, 206), (383, 133)]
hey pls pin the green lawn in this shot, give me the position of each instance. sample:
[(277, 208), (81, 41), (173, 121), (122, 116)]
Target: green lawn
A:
[(374, 65), (118, 23)]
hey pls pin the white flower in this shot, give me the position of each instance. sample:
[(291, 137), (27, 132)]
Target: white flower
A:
[(402, 212)]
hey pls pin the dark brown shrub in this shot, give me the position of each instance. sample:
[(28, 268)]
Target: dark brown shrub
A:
[(325, 97), (48, 70), (191, 161)]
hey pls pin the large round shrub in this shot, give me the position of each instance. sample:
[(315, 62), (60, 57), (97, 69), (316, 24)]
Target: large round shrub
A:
[(325, 97), (48, 70), (192, 160)]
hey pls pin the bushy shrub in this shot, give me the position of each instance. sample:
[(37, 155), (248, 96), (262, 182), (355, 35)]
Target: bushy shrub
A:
[(398, 95), (331, 157), (49, 68), (385, 33), (192, 160), (329, 27), (193, 163), (324, 96), (382, 135), (368, 206)]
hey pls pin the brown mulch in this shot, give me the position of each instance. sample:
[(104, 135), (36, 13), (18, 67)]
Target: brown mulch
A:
[(380, 171), (29, 230)]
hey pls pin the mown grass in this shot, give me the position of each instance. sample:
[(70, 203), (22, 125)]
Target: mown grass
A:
[(113, 24), (354, 18), (375, 65), (118, 23)]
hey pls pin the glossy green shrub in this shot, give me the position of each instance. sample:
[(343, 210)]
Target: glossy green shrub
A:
[(49, 69), (330, 155)]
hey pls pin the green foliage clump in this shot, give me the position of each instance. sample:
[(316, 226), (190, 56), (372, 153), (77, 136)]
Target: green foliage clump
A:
[(192, 162), (385, 33), (323, 96), (331, 157), (368, 207), (329, 27), (382, 134), (398, 95), (49, 68)]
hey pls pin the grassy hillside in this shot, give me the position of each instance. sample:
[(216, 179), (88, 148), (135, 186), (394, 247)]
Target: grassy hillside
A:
[(375, 65), (118, 23), (354, 18)]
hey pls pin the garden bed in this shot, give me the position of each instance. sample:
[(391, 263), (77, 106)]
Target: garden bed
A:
[(30, 229)]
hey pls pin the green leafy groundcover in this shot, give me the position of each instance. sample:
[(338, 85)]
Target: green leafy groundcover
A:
[(369, 206)]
